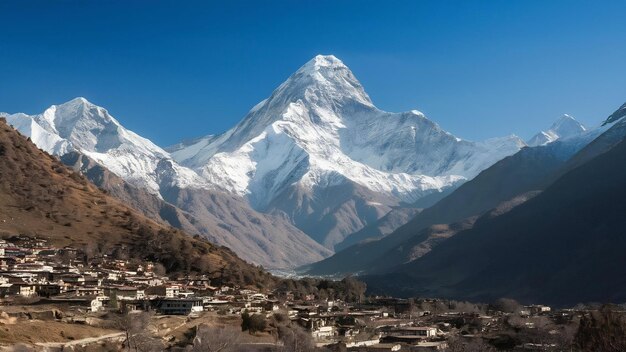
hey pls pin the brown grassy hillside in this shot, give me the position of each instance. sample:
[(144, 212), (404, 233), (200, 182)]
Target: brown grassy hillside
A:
[(40, 196)]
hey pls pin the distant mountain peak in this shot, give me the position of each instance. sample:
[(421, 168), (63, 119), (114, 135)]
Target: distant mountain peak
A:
[(325, 61), (324, 81), (79, 125), (78, 108), (78, 100), (565, 118), (86, 125), (567, 123), (564, 127)]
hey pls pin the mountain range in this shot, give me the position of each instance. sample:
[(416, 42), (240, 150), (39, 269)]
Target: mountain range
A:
[(307, 167), (317, 177), (563, 246), (79, 126), (41, 197), (319, 151), (525, 171), (524, 228)]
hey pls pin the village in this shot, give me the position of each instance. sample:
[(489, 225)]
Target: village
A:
[(33, 273)]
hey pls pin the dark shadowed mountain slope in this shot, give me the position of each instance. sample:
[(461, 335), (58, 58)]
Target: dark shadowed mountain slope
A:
[(607, 140), (564, 246), (422, 243), (617, 115), (381, 228), (41, 196), (395, 218), (517, 174)]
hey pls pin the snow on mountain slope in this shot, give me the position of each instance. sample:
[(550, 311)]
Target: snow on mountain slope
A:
[(318, 136), (565, 127), (44, 139), (226, 219), (320, 124), (79, 125), (320, 129)]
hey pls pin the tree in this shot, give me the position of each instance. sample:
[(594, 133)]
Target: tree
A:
[(566, 335), (354, 290), (215, 339), (113, 300), (245, 320), (90, 250), (136, 329), (506, 305), (295, 339), (158, 269), (466, 307), (602, 331), (252, 323), (257, 323)]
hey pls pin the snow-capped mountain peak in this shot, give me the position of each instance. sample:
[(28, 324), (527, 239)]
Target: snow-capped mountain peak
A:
[(324, 61), (79, 125), (319, 130), (316, 148), (567, 126), (321, 94), (564, 127), (323, 83), (325, 76), (85, 125)]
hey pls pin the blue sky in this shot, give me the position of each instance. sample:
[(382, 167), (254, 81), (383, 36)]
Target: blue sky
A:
[(174, 69)]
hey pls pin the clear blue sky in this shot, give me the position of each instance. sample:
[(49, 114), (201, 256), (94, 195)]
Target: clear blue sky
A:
[(174, 69)]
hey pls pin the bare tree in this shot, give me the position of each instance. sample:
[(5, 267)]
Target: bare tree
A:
[(216, 339), (295, 339), (467, 307), (136, 327), (565, 338), (602, 331), (159, 269), (506, 305)]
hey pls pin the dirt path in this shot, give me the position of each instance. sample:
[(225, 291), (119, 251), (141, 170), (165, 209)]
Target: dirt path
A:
[(118, 336)]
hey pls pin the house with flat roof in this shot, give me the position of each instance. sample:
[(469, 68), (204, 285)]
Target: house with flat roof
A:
[(178, 306)]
